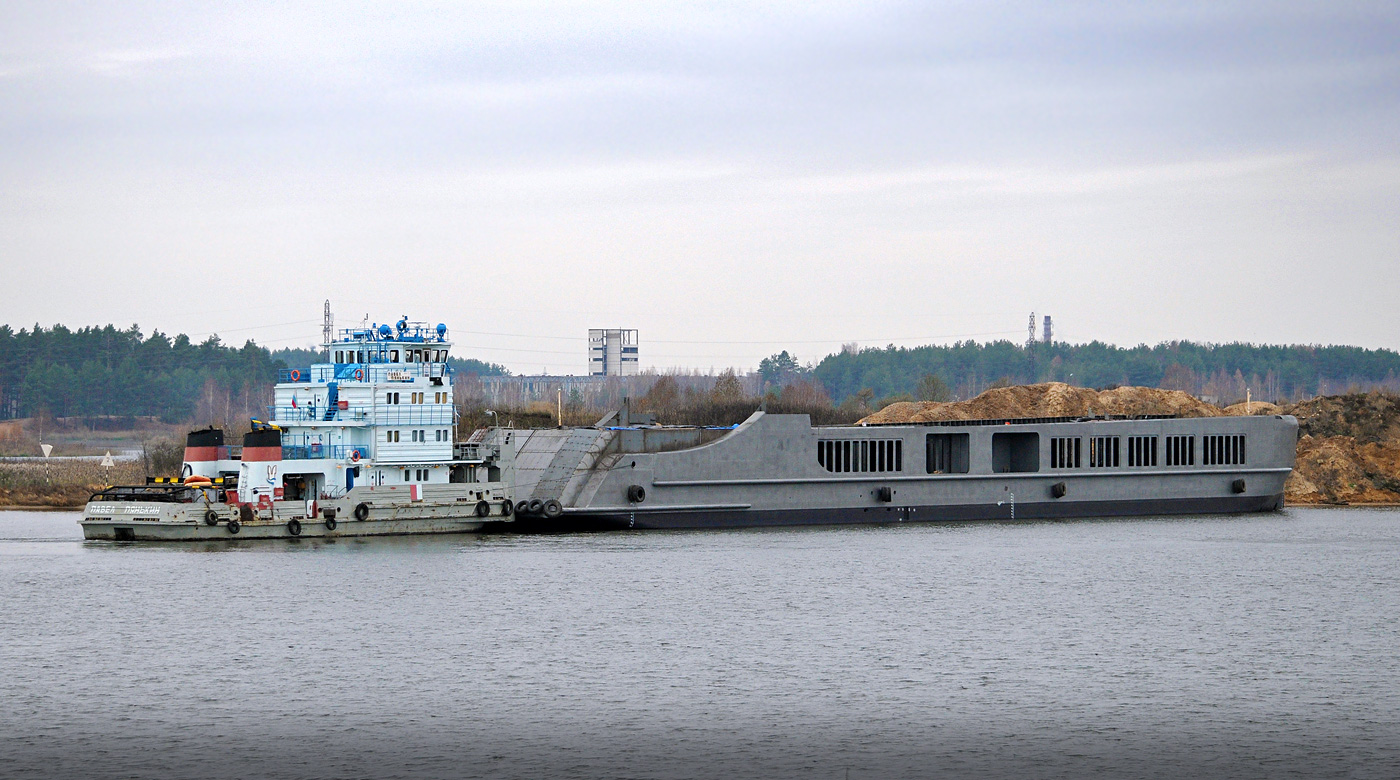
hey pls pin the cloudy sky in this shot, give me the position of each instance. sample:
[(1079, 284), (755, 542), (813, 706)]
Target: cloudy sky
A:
[(731, 179)]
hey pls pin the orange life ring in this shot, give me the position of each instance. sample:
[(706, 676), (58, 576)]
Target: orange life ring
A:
[(354, 456), (295, 375), (359, 375)]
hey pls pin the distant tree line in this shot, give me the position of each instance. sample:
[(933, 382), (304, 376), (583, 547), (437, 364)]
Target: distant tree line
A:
[(1222, 371), (106, 371)]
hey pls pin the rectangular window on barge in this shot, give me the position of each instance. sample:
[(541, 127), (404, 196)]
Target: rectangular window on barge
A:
[(947, 453), (1014, 453), (1065, 452), (1222, 450), (856, 455), (1181, 451), (1142, 450), (1103, 451)]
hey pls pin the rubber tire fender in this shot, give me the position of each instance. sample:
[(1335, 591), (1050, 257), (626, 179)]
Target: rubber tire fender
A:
[(507, 508), (211, 517), (535, 506), (1237, 486), (636, 494), (482, 509), (294, 527), (553, 509), (330, 522), (233, 526), (522, 507), (1059, 489), (362, 511)]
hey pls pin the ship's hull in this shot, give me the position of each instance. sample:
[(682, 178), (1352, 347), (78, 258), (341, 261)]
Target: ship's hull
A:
[(777, 470), (192, 531)]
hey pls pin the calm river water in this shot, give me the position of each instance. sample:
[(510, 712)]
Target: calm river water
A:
[(1264, 646)]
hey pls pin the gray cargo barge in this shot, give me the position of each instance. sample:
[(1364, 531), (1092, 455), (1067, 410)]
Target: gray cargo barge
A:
[(780, 470)]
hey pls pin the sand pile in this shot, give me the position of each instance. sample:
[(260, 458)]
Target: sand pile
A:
[(1348, 448), (1052, 399)]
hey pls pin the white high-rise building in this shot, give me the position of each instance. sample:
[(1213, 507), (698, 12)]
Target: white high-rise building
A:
[(612, 352)]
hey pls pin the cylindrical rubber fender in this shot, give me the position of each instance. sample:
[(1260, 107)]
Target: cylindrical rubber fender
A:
[(362, 511), (553, 509), (1059, 489), (211, 517), (1237, 486), (636, 494), (482, 509), (233, 526), (507, 508), (535, 506), (330, 521), (294, 527), (885, 494), (522, 507)]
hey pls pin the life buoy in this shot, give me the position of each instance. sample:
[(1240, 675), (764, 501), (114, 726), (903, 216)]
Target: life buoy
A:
[(211, 517), (354, 456), (359, 375), (361, 511), (295, 375), (482, 509), (233, 526), (294, 527)]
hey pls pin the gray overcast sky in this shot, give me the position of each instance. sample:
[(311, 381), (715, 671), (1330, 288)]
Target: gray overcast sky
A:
[(715, 175)]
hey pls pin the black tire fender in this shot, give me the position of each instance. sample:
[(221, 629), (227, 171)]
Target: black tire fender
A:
[(233, 526), (211, 517), (535, 506), (553, 509), (636, 494), (482, 509), (362, 511), (507, 508), (330, 521), (1059, 489), (1237, 486), (294, 527), (522, 507), (885, 494)]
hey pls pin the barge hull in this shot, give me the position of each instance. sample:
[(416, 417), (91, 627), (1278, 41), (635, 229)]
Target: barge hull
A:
[(642, 519)]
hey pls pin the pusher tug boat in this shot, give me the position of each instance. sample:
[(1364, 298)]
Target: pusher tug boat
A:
[(362, 445)]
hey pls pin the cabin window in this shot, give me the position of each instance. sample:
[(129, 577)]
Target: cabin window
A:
[(1142, 450), (359, 356), (1181, 450), (340, 356), (391, 436), (1015, 452), (947, 453), (422, 435), (1065, 452), (1222, 450), (393, 356), (1103, 451)]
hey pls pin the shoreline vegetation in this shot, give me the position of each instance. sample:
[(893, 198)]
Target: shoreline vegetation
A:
[(1348, 448)]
